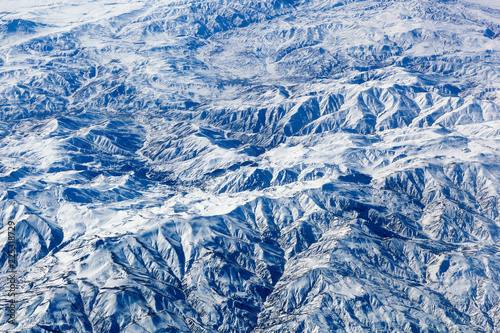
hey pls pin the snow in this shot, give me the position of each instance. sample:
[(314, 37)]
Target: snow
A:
[(487, 3), (252, 166)]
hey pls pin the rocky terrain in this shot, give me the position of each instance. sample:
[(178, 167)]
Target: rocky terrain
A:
[(251, 166)]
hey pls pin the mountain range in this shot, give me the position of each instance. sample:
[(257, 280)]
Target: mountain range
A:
[(251, 165)]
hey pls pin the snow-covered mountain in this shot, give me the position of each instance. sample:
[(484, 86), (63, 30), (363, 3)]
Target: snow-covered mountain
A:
[(251, 165)]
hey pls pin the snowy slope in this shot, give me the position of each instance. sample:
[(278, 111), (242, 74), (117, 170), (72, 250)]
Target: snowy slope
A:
[(251, 166), (487, 3)]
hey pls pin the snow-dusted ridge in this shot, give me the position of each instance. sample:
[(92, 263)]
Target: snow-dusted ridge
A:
[(487, 3), (251, 166)]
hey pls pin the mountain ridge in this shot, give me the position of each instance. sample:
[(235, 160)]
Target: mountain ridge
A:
[(251, 166)]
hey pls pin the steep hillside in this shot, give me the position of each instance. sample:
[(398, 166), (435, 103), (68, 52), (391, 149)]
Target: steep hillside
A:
[(251, 165)]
